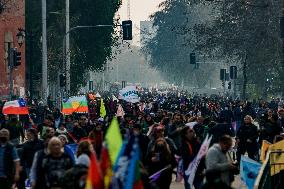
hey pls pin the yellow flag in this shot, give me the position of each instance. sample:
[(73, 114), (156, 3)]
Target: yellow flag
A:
[(102, 109), (276, 157), (113, 140), (264, 149)]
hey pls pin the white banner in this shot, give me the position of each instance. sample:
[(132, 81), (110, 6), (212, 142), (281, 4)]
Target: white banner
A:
[(129, 94), (191, 170)]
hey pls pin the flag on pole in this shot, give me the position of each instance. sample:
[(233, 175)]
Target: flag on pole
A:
[(192, 167), (77, 104), (127, 171), (129, 94), (249, 170), (113, 140), (264, 149), (17, 107), (102, 109), (276, 157), (106, 167), (94, 179), (156, 175)]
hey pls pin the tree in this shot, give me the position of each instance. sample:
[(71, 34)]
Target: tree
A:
[(168, 50), (90, 48), (248, 31)]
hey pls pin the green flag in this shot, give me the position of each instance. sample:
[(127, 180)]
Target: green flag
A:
[(114, 140)]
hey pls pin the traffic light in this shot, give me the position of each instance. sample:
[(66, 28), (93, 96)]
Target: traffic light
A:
[(230, 85), (227, 77), (17, 58), (192, 58), (223, 84), (233, 72), (222, 74), (11, 57), (127, 29), (62, 80)]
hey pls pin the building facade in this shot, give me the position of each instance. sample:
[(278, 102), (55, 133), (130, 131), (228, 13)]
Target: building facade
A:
[(12, 17)]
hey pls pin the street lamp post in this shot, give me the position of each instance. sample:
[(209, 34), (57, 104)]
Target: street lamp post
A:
[(66, 51), (44, 54), (21, 35)]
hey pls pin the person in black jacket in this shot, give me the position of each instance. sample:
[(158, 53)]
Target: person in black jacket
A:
[(247, 139), (189, 149), (78, 132), (9, 163), (30, 148)]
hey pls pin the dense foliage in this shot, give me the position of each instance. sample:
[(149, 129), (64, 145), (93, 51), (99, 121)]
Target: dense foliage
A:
[(242, 33), (90, 48)]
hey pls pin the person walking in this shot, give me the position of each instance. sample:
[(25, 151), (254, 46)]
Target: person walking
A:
[(9, 161), (247, 139), (218, 165)]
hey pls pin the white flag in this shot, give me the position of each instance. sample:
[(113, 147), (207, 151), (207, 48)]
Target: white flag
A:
[(129, 94), (191, 170)]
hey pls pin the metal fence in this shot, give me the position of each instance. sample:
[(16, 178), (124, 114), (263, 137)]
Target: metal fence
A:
[(273, 165)]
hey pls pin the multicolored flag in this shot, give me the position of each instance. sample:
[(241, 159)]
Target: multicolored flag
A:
[(127, 170), (94, 179), (113, 140), (17, 107), (76, 104), (102, 108)]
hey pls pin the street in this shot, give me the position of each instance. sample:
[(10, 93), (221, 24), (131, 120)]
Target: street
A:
[(235, 185)]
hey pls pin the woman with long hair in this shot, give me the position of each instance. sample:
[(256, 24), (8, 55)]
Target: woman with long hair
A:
[(189, 149), (159, 158)]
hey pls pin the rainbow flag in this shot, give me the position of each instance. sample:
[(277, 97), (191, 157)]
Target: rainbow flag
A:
[(76, 104), (94, 179), (17, 107)]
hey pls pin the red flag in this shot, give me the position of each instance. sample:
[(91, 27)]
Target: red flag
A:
[(94, 179), (106, 167)]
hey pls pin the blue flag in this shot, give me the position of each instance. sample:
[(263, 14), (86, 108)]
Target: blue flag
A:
[(71, 149), (249, 170)]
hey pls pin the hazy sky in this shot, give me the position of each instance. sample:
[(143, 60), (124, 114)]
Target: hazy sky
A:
[(139, 10)]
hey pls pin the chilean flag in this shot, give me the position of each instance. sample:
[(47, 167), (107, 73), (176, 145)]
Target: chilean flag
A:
[(17, 107)]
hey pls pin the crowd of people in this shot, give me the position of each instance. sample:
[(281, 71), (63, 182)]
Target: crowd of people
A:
[(170, 128)]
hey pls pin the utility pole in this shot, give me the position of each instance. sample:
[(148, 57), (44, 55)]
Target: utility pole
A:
[(11, 68), (67, 50), (44, 54), (282, 61), (245, 81)]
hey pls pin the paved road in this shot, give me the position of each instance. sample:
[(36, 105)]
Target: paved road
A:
[(236, 184)]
